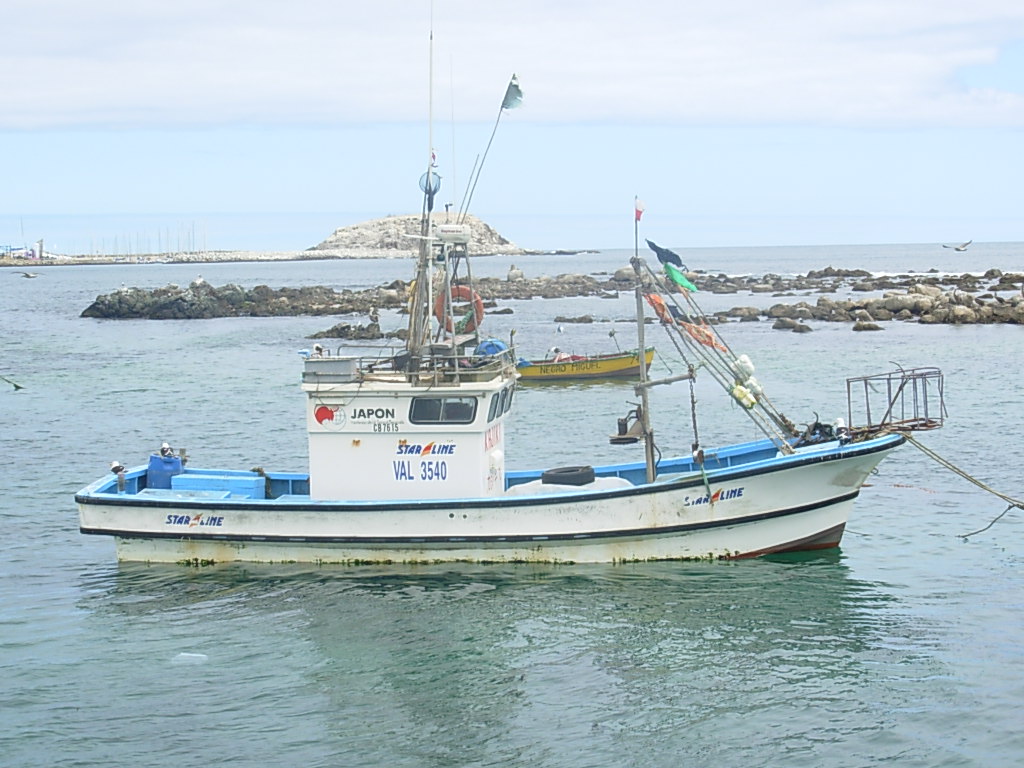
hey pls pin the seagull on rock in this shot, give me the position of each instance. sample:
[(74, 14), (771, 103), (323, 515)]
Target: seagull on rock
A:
[(961, 247)]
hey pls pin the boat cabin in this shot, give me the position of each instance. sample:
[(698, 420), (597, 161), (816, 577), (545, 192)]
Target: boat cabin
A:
[(379, 432)]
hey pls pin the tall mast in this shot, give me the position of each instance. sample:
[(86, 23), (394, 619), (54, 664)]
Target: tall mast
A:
[(645, 418), (419, 316)]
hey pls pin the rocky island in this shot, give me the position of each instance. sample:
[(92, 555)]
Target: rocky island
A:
[(398, 237)]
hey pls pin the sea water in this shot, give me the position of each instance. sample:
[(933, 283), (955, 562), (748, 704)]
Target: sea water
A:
[(903, 647)]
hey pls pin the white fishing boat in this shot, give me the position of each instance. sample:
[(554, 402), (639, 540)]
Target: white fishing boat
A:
[(407, 464), (407, 458)]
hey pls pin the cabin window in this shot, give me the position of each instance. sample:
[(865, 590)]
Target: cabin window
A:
[(442, 410), (503, 400), (493, 410), (425, 410), (508, 402)]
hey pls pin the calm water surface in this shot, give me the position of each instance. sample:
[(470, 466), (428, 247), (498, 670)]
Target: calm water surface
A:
[(901, 648)]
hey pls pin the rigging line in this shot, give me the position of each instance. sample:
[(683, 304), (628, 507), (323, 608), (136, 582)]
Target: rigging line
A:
[(692, 342), (451, 86), (692, 302), (464, 210), (465, 195), (763, 402), (707, 482), (719, 371), (693, 401), (693, 418), (766, 417), (761, 420), (965, 475), (675, 343)]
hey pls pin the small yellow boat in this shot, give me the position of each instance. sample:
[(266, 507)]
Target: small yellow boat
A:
[(563, 367)]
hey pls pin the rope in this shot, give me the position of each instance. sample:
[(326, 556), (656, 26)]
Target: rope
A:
[(1012, 502), (996, 520), (707, 483)]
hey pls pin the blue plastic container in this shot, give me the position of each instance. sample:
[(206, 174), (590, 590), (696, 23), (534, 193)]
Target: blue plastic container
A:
[(161, 470), (490, 347)]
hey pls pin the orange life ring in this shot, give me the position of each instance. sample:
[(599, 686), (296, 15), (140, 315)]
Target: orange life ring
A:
[(460, 293)]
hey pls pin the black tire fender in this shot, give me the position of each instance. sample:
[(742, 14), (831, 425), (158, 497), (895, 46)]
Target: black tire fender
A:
[(568, 476)]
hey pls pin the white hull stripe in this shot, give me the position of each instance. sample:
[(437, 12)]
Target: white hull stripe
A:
[(419, 540)]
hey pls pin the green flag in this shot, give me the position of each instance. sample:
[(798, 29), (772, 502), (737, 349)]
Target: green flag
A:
[(677, 277)]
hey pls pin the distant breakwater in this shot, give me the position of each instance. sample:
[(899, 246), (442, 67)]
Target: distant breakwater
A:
[(994, 297)]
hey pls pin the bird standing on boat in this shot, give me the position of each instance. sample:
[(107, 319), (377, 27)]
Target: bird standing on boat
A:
[(961, 247), (116, 467), (166, 450)]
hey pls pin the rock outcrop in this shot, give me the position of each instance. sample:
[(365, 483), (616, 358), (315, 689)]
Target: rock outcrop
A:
[(925, 299), (399, 236), (919, 302), (201, 300)]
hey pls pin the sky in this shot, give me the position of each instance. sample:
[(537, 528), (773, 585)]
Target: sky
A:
[(265, 125)]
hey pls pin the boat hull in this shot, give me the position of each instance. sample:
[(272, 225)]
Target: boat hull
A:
[(742, 508)]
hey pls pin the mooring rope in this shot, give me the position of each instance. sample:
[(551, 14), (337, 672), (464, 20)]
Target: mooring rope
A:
[(1011, 502)]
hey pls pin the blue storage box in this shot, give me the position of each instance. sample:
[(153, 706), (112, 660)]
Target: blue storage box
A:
[(161, 470)]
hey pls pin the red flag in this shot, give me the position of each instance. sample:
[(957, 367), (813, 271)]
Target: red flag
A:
[(639, 208)]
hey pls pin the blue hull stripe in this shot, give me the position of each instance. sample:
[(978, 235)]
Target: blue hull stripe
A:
[(498, 502)]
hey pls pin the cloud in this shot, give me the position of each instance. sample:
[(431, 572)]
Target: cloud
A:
[(314, 62)]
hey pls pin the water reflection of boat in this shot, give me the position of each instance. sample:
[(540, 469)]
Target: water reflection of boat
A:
[(566, 367)]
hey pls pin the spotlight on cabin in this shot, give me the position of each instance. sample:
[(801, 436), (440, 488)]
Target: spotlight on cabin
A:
[(627, 433)]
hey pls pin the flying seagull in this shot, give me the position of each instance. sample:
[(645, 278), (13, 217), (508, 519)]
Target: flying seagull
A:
[(665, 256), (28, 274), (961, 247)]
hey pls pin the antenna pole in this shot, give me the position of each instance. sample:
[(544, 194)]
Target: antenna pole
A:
[(430, 96), (419, 316)]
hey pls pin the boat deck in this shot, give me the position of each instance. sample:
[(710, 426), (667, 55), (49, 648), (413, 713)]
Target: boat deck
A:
[(195, 485)]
